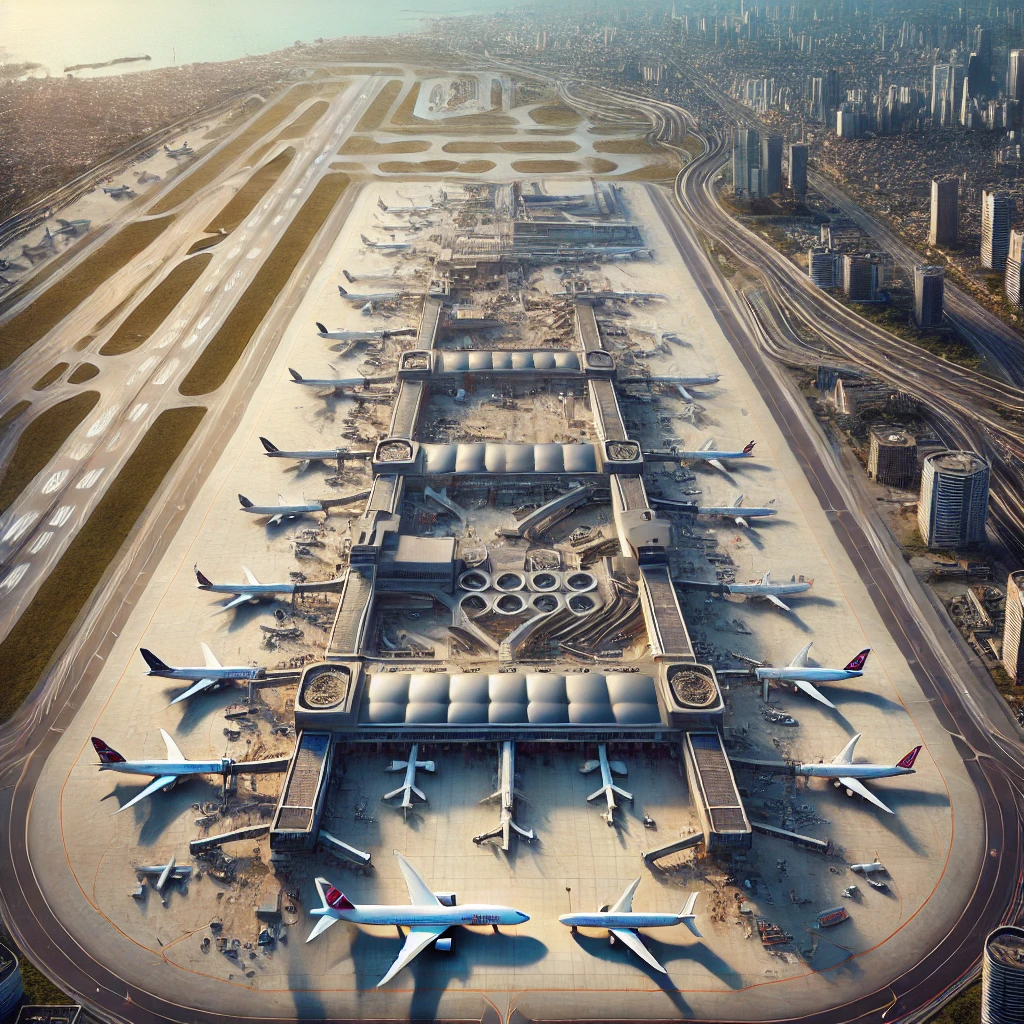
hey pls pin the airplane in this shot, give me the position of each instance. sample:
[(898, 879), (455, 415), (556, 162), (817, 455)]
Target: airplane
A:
[(409, 789), (336, 384), (737, 511), (183, 150), (164, 772), (770, 591), (250, 592), (427, 918), (585, 295), (291, 511), (316, 455), (412, 208), (386, 246), (118, 191), (370, 297), (165, 874), (41, 251), (75, 228), (681, 383), (506, 794), (845, 774), (213, 674), (802, 676), (608, 788), (401, 332), (714, 458), (622, 922)]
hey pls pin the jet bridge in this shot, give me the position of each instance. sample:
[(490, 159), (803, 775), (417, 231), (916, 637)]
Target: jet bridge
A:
[(296, 824), (714, 793)]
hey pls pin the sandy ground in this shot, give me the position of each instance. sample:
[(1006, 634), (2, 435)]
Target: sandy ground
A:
[(538, 967)]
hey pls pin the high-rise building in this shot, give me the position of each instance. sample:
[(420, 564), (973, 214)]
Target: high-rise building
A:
[(1013, 627), (997, 211), (746, 163), (824, 267), (946, 90), (953, 505), (860, 277), (1002, 976), (798, 169), (892, 457), (771, 164), (929, 286), (1013, 281), (1015, 76), (945, 224)]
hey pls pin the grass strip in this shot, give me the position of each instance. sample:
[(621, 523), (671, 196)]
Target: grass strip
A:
[(50, 376), (246, 198), (13, 413), (207, 172), (24, 329), (650, 172), (596, 165), (435, 166), (40, 631), (82, 373), (544, 166), (363, 145), (40, 441), (151, 312), (300, 127), (555, 114), (537, 146), (211, 369), (375, 113), (624, 146)]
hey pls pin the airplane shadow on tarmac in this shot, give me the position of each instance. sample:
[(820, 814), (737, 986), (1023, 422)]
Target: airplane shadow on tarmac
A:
[(198, 708), (157, 812)]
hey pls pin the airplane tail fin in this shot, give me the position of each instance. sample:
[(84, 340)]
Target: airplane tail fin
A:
[(686, 914), (296, 376), (154, 663), (908, 761), (269, 446), (749, 449), (107, 755), (845, 756), (366, 241), (336, 899), (349, 277), (858, 663), (244, 501), (319, 326), (380, 203), (201, 579)]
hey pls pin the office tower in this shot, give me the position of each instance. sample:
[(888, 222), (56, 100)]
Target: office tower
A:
[(945, 226), (1013, 650), (977, 75), (892, 457), (798, 169), (1013, 280), (831, 92), (771, 164), (860, 278), (997, 211), (946, 92), (928, 293), (746, 156), (1015, 76), (823, 267), (1002, 973), (953, 506)]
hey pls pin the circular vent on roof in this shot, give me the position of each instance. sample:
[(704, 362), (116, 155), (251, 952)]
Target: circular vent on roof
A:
[(692, 688), (325, 689)]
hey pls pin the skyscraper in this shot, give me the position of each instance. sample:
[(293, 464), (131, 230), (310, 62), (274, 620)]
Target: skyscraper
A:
[(1013, 626), (945, 225), (997, 210), (1015, 76), (928, 294), (953, 506), (798, 169), (771, 164), (746, 156), (1002, 976), (946, 93), (1014, 278)]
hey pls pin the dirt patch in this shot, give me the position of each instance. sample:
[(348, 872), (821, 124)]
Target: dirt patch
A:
[(545, 166), (556, 114), (473, 146), (211, 369), (435, 166), (151, 312), (23, 330), (50, 376), (539, 146), (41, 630), (598, 166), (82, 373), (245, 199), (39, 442), (651, 172), (378, 109), (205, 243), (624, 146), (363, 145), (300, 127)]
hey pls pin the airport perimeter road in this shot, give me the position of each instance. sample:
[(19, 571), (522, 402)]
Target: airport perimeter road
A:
[(137, 386), (994, 761)]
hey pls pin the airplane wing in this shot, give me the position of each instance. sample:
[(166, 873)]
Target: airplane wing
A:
[(211, 658), (419, 892), (718, 465), (813, 691), (235, 602), (707, 445), (683, 393), (738, 500), (250, 578), (778, 604), (858, 787), (173, 753), (800, 661), (632, 940), (203, 684), (154, 787), (415, 942), (322, 925), (624, 904)]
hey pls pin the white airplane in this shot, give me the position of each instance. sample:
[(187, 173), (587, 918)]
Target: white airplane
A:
[(764, 588), (682, 383), (251, 592), (608, 788), (427, 918), (213, 674), (706, 453), (118, 191), (325, 383), (505, 794), (411, 208), (315, 455), (402, 332), (622, 922), (358, 298), (409, 789), (847, 775), (165, 873), (165, 773), (738, 514), (802, 675), (183, 150), (386, 246), (600, 296)]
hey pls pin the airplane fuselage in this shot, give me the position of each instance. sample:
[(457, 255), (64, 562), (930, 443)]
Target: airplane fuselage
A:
[(807, 674), (620, 920), (851, 771), (707, 456), (734, 511), (178, 769), (775, 589), (253, 590), (434, 917), (224, 672), (288, 511)]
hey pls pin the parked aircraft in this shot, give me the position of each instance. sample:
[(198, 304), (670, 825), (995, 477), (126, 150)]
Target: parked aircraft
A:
[(118, 191), (585, 295), (250, 592), (737, 511), (292, 510), (316, 455), (183, 150), (427, 918), (845, 774), (75, 228), (713, 457), (622, 923), (802, 676), (681, 383), (386, 246), (208, 677), (401, 332), (411, 208), (371, 297), (409, 789), (764, 588), (608, 788), (165, 873), (505, 794), (164, 772)]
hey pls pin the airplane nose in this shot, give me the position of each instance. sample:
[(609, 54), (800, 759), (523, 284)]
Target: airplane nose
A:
[(522, 916)]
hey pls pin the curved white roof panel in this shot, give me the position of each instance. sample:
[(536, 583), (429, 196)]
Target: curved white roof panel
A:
[(511, 698), (479, 362), (480, 457)]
